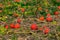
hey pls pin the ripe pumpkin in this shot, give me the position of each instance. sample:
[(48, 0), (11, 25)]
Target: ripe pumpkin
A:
[(17, 25), (41, 18), (16, 0), (33, 27), (46, 31), (56, 13), (49, 19), (12, 25), (23, 9), (58, 7), (18, 20)]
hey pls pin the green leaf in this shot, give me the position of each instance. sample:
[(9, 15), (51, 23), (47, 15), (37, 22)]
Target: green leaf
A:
[(58, 28), (2, 30), (54, 22)]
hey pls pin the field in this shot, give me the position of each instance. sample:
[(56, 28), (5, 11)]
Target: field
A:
[(29, 19)]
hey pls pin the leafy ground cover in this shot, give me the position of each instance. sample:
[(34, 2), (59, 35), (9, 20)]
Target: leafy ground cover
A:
[(29, 19)]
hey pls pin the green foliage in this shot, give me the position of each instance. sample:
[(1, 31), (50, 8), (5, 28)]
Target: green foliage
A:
[(54, 22), (2, 30), (14, 37), (30, 7), (55, 2), (58, 28)]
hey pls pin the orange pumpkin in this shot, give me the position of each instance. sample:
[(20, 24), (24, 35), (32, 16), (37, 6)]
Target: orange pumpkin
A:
[(0, 11), (16, 0), (23, 9), (49, 19), (39, 8), (41, 18), (17, 25), (46, 31), (48, 14), (56, 13), (15, 14), (58, 7), (1, 4)]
